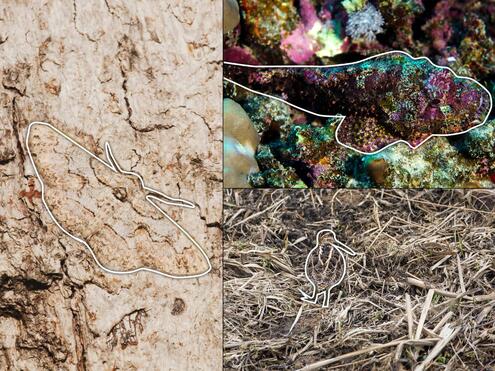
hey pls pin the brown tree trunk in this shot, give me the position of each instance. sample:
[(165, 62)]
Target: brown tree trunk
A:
[(145, 76)]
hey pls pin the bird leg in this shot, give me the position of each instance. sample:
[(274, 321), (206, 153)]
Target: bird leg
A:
[(326, 300), (326, 296), (309, 298)]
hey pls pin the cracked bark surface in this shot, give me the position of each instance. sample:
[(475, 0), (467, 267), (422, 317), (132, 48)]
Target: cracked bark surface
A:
[(146, 77)]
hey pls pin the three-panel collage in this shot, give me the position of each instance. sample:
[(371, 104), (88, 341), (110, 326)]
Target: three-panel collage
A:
[(247, 185)]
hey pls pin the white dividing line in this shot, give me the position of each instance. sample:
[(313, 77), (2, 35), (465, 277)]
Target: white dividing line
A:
[(154, 195), (341, 117)]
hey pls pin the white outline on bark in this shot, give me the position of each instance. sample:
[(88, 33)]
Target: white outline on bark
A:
[(154, 195)]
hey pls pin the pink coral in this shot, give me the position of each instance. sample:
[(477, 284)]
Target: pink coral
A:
[(298, 45), (308, 14), (236, 54)]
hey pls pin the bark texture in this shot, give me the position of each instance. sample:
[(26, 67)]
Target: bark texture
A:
[(146, 77)]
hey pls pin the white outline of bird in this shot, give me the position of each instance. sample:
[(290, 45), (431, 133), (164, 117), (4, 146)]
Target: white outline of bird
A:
[(341, 248)]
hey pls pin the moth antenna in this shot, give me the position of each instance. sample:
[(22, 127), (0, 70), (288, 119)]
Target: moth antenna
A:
[(161, 197), (111, 158)]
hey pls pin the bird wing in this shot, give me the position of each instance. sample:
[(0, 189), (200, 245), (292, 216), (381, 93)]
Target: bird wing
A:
[(325, 266)]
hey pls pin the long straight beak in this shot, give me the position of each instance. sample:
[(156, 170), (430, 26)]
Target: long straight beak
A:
[(339, 245)]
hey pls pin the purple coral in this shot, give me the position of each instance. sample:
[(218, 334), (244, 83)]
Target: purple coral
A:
[(298, 45), (365, 23), (236, 54)]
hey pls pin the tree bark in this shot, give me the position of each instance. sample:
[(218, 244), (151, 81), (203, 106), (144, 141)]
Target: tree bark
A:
[(145, 76)]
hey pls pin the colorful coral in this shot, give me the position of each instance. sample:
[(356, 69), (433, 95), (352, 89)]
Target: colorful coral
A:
[(384, 99), (313, 36), (267, 20), (365, 23), (299, 149)]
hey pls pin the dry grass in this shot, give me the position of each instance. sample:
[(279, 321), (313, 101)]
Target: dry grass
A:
[(419, 294)]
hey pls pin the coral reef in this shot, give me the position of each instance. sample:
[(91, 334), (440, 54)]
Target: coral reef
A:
[(365, 23), (313, 36), (384, 99), (298, 149), (266, 21)]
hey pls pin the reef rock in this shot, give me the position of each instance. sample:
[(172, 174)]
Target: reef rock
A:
[(231, 16), (385, 99), (240, 142)]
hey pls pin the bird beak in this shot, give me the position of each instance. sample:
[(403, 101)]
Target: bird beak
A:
[(339, 245)]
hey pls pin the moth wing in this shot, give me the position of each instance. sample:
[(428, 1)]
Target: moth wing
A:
[(63, 170), (91, 200)]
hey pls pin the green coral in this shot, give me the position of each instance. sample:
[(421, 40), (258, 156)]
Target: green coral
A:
[(273, 174), (329, 40), (353, 5), (437, 164), (266, 113)]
